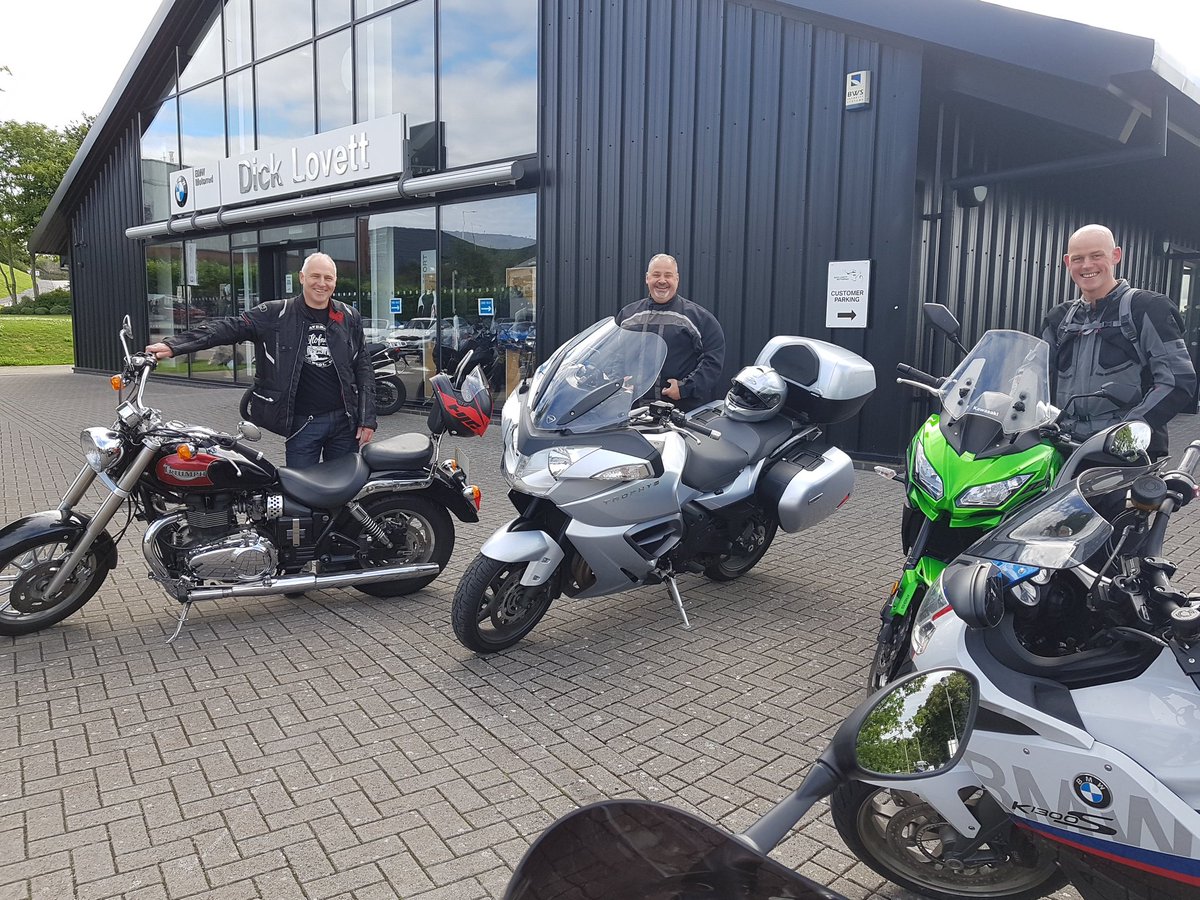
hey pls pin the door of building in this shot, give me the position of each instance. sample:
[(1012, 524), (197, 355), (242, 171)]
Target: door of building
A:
[(280, 269), (1189, 308)]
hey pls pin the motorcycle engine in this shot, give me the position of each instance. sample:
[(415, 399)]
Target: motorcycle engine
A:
[(237, 558)]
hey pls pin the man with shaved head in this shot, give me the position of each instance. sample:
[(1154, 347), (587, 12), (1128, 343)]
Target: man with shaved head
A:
[(1115, 333)]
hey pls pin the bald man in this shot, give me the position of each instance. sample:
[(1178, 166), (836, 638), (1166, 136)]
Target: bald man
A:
[(1115, 333), (313, 379)]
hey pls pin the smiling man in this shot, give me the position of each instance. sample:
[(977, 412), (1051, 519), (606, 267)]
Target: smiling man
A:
[(694, 338), (313, 380), (1115, 333)]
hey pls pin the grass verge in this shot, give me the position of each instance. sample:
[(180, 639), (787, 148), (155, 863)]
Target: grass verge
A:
[(36, 341)]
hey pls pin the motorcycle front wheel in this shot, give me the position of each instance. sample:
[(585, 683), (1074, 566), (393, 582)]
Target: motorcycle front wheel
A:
[(390, 394), (419, 531), (492, 610), (24, 576), (899, 836), (893, 654), (750, 547)]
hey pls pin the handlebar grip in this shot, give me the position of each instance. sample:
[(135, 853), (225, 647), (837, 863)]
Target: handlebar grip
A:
[(701, 429), (1190, 460), (917, 375)]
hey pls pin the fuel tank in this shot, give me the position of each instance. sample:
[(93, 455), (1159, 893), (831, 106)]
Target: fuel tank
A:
[(215, 470)]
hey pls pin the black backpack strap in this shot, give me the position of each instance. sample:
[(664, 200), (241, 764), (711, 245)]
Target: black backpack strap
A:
[(1128, 326)]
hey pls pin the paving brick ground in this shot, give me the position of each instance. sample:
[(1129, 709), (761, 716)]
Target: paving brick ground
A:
[(338, 745)]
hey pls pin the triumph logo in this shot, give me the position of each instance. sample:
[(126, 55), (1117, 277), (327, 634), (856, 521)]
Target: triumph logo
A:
[(184, 474)]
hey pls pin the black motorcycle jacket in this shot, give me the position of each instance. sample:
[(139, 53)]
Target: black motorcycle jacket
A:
[(695, 345), (277, 329), (1131, 337)]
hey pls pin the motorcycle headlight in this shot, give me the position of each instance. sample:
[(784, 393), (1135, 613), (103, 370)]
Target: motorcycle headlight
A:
[(101, 447), (925, 474), (933, 605), (562, 458), (993, 494)]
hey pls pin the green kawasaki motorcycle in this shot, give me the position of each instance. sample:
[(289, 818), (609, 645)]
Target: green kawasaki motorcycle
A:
[(994, 445)]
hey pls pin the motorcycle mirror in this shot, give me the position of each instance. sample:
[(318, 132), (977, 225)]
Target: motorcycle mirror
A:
[(882, 724), (249, 431), (1129, 440), (921, 728), (976, 593), (1124, 395), (126, 334), (942, 319)]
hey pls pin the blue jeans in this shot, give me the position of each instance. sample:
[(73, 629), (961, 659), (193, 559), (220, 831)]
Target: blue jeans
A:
[(329, 432)]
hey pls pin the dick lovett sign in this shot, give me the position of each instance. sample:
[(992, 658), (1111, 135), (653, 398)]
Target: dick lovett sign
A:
[(357, 153)]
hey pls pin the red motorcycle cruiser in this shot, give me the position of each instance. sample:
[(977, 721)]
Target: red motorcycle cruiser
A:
[(223, 522)]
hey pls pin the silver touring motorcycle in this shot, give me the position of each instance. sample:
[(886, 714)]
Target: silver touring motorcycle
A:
[(613, 492)]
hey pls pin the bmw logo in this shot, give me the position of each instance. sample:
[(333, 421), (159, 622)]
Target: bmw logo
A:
[(181, 191), (1092, 791)]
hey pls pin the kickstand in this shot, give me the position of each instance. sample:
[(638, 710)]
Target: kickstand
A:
[(674, 589), (187, 608)]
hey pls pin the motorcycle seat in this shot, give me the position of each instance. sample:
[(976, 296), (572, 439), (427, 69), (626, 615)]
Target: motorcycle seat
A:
[(712, 464), (372, 348), (404, 451), (326, 485), (758, 439)]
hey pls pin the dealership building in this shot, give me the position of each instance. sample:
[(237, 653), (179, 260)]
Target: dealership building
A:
[(818, 167)]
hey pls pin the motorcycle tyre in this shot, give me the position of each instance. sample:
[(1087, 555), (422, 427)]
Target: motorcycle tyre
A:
[(472, 594), (435, 518), (735, 567), (901, 663), (390, 394), (845, 804), (28, 623)]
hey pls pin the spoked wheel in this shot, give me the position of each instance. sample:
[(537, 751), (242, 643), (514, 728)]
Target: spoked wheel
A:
[(492, 609), (892, 653), (25, 607), (904, 839), (748, 548), (419, 532), (390, 394)]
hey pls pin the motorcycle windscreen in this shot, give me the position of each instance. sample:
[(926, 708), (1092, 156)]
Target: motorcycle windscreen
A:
[(625, 849), (1005, 378), (1064, 528), (597, 379)]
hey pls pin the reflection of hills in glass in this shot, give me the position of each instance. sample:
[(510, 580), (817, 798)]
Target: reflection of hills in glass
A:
[(491, 241)]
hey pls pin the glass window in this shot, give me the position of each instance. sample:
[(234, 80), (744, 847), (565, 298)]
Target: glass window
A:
[(394, 64), (331, 14), (160, 157), (490, 44), (202, 60), (237, 34), (338, 226), (281, 23), (284, 97), (284, 233), (202, 125), (165, 294), (210, 296), (239, 111), (245, 296), (335, 82), (363, 8), (489, 250), (244, 238), (345, 257)]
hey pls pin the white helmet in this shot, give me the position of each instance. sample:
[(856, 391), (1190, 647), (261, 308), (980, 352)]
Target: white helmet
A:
[(757, 394)]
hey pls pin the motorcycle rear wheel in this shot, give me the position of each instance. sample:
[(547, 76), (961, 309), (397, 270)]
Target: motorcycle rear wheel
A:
[(390, 394), (751, 547), (898, 836), (420, 532), (24, 574), (492, 610)]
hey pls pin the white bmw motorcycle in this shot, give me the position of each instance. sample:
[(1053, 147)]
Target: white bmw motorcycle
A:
[(613, 493), (1085, 759)]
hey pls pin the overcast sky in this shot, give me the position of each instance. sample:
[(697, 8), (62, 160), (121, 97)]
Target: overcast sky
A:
[(66, 55)]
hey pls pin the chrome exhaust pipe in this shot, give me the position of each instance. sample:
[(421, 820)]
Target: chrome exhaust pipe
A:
[(311, 582)]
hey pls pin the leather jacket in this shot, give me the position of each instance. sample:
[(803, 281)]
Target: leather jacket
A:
[(277, 329)]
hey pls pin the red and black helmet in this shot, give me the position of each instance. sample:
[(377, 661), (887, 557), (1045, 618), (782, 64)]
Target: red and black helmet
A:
[(463, 409)]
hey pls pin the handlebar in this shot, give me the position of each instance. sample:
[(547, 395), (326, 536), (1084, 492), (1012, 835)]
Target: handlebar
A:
[(922, 378), (678, 418)]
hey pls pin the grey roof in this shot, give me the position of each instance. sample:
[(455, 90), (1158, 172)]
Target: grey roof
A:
[(1119, 72)]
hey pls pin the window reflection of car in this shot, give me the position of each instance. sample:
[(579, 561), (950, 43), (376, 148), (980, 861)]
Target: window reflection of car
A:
[(188, 314), (517, 334), (376, 331), (417, 332)]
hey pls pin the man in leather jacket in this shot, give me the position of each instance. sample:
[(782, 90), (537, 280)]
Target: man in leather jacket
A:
[(695, 340), (1115, 333), (313, 382)]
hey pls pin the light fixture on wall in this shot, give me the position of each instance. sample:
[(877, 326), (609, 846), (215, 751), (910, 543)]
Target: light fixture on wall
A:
[(971, 197)]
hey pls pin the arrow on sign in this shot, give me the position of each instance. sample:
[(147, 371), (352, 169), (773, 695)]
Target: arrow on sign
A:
[(847, 315)]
